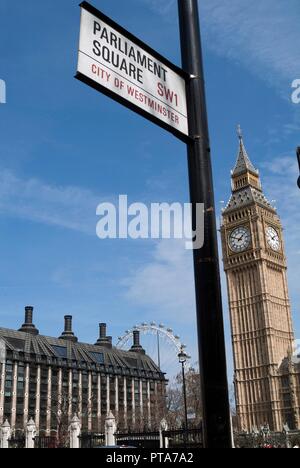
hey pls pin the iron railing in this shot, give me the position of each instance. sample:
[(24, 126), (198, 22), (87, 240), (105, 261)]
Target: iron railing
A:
[(91, 440)]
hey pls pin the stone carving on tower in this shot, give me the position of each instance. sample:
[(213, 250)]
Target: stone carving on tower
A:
[(267, 384)]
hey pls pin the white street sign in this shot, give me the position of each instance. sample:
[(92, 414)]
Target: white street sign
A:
[(118, 64)]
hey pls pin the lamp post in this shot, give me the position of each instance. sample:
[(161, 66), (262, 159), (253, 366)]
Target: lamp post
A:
[(182, 360)]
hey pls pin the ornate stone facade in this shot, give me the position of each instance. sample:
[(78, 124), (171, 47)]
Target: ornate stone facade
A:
[(267, 376)]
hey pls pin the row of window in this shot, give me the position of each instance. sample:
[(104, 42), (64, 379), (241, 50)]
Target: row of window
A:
[(69, 382)]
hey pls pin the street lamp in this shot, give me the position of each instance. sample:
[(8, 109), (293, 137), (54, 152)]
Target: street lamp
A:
[(182, 356)]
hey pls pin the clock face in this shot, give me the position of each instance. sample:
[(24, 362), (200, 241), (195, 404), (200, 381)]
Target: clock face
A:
[(273, 239), (240, 239)]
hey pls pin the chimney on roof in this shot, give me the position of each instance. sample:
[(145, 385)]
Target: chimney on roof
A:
[(104, 340), (68, 333), (28, 326), (102, 330), (137, 348), (136, 339)]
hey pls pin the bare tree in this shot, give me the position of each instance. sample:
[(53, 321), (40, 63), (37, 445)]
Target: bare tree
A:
[(175, 408), (60, 404), (60, 413)]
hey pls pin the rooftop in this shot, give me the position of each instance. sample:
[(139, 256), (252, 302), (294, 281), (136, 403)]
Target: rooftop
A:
[(28, 342)]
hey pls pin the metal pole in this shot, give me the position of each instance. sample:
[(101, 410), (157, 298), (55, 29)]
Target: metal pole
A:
[(216, 424), (185, 405)]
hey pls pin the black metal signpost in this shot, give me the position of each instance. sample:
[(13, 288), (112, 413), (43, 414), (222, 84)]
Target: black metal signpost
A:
[(217, 424)]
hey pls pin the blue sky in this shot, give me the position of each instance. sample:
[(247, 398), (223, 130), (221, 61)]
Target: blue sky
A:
[(65, 148)]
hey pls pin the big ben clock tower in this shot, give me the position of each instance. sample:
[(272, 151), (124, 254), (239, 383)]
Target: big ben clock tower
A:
[(262, 330)]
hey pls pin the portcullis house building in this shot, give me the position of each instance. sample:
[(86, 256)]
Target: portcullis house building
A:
[(50, 380)]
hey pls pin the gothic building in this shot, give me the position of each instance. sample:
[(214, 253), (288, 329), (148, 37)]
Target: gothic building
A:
[(50, 379), (267, 375)]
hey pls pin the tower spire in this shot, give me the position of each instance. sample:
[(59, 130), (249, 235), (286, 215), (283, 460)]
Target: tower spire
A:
[(246, 183)]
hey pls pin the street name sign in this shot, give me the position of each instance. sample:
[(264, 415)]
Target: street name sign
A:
[(116, 63)]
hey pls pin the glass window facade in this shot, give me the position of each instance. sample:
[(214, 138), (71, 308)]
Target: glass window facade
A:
[(8, 389), (20, 395), (58, 388)]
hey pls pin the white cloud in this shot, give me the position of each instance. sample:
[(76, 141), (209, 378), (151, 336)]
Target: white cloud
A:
[(161, 7), (263, 36), (294, 127), (284, 166), (165, 288), (166, 283), (67, 207)]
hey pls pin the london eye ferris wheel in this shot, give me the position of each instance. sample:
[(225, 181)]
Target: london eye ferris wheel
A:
[(160, 343)]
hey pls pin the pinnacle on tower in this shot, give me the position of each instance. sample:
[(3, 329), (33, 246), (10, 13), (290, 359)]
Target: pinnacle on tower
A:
[(243, 163)]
